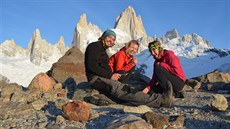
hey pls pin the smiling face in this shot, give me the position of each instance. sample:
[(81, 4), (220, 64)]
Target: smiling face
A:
[(132, 49), (108, 41), (155, 53), (155, 49)]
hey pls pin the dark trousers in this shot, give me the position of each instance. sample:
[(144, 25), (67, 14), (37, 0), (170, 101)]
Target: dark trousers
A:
[(117, 90), (125, 75), (163, 76)]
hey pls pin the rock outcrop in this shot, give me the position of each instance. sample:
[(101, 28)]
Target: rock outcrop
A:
[(9, 49), (85, 33), (131, 24), (70, 66), (40, 50)]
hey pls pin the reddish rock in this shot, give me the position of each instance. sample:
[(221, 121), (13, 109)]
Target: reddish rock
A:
[(71, 65), (76, 110), (41, 82)]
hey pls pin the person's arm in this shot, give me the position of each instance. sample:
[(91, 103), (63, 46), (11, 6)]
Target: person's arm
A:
[(92, 57), (150, 84)]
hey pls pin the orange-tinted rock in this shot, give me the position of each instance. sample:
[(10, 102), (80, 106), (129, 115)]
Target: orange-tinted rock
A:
[(41, 82), (76, 110)]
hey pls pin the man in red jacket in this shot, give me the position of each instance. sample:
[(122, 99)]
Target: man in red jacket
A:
[(167, 67), (123, 61)]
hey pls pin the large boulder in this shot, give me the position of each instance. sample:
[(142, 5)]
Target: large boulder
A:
[(214, 81), (8, 90), (214, 76), (71, 65), (41, 82)]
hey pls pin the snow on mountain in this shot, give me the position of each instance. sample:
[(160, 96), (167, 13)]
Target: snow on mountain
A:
[(9, 49), (21, 65), (21, 70)]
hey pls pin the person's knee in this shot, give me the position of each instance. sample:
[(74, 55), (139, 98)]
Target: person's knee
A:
[(158, 69)]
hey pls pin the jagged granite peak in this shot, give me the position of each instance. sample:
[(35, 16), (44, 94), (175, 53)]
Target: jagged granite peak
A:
[(40, 50), (196, 39), (85, 33), (128, 22), (172, 34), (9, 49), (83, 20), (60, 45)]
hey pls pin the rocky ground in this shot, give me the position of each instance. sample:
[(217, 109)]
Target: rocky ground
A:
[(196, 109), (24, 109)]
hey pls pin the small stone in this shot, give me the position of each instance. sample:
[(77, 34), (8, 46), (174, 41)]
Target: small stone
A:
[(38, 104), (157, 120), (13, 125), (58, 86), (60, 119), (139, 109), (219, 103), (42, 124)]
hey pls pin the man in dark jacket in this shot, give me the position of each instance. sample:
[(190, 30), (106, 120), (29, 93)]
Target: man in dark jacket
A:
[(100, 76)]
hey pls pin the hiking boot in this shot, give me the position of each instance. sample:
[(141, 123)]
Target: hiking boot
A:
[(167, 96), (180, 94)]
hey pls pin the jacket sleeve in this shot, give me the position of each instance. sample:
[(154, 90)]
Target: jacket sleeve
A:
[(152, 82), (94, 66), (120, 61)]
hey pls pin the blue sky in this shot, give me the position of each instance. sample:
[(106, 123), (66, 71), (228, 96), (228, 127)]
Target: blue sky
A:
[(208, 18)]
